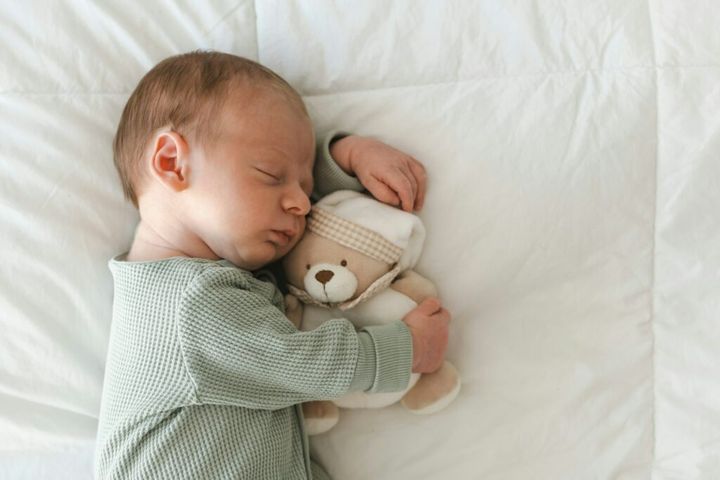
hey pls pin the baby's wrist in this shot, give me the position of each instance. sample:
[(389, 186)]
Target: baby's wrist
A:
[(340, 151)]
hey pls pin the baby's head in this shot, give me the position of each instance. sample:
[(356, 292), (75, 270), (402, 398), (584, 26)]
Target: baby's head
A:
[(217, 153)]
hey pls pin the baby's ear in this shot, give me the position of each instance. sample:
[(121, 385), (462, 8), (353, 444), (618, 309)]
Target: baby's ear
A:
[(169, 163)]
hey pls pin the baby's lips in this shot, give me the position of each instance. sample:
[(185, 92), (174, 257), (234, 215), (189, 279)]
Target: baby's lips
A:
[(290, 232), (284, 237)]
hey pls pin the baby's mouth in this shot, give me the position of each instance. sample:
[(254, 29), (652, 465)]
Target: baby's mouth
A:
[(282, 239)]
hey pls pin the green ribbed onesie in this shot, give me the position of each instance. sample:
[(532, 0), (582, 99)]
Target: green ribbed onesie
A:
[(205, 374)]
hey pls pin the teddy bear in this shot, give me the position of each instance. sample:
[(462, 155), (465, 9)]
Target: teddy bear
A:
[(355, 261)]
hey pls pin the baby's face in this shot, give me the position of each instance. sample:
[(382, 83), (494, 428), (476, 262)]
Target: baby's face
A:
[(250, 189)]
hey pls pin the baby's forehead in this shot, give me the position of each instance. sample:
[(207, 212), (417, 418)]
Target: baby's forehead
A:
[(248, 97), (255, 105), (289, 144)]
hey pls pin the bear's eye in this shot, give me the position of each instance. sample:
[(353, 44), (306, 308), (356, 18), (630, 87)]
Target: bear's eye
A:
[(308, 266), (343, 263)]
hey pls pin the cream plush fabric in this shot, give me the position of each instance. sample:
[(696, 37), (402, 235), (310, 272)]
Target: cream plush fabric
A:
[(572, 218), (379, 231)]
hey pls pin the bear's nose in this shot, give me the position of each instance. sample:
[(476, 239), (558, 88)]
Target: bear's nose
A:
[(324, 276)]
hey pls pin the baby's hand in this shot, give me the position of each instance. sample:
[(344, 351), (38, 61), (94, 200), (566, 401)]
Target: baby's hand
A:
[(389, 175), (428, 325)]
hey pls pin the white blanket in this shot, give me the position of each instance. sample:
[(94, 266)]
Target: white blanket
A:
[(573, 152)]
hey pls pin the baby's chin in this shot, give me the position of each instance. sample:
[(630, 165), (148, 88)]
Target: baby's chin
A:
[(268, 253)]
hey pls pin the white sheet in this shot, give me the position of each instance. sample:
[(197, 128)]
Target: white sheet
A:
[(572, 149)]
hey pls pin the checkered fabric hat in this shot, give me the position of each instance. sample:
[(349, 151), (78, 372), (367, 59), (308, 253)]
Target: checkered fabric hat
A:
[(369, 226)]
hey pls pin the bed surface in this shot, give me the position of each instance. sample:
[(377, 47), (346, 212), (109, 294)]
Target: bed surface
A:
[(573, 152)]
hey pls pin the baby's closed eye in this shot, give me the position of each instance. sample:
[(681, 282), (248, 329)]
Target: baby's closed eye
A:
[(274, 177), (269, 174)]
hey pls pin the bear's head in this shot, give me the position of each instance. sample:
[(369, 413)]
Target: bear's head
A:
[(354, 246), (329, 271)]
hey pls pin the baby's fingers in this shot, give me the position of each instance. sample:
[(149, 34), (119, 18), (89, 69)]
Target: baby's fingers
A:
[(418, 172), (442, 315), (381, 191), (403, 183), (409, 193), (430, 306)]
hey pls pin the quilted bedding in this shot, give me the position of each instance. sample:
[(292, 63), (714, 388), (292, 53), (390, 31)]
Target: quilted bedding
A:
[(573, 151)]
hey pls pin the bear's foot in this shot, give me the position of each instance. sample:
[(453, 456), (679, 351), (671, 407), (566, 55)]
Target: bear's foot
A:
[(434, 391), (320, 416)]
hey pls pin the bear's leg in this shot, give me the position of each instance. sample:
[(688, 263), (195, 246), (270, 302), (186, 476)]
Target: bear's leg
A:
[(320, 416), (434, 391)]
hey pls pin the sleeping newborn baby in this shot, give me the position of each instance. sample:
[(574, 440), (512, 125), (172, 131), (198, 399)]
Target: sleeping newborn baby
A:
[(205, 373)]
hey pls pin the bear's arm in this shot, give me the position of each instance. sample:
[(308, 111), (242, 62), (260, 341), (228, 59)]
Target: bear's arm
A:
[(414, 285)]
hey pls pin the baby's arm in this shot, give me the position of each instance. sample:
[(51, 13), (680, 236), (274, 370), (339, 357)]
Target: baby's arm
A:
[(328, 175), (390, 175), (241, 350)]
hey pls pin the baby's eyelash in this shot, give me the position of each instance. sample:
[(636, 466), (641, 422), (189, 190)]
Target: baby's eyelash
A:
[(268, 174)]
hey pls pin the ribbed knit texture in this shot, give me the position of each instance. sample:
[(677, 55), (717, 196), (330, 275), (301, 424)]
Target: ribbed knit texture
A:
[(204, 374), (329, 177)]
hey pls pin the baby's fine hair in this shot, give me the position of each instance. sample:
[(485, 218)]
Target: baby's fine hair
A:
[(183, 92)]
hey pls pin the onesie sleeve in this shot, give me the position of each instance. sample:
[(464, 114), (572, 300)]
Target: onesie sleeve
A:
[(240, 349), (329, 177)]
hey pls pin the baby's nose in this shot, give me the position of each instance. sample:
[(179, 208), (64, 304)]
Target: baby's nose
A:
[(324, 276)]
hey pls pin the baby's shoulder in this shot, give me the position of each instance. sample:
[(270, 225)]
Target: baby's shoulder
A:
[(222, 274), (226, 283)]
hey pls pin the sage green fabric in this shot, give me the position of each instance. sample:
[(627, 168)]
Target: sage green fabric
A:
[(329, 177), (205, 374)]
